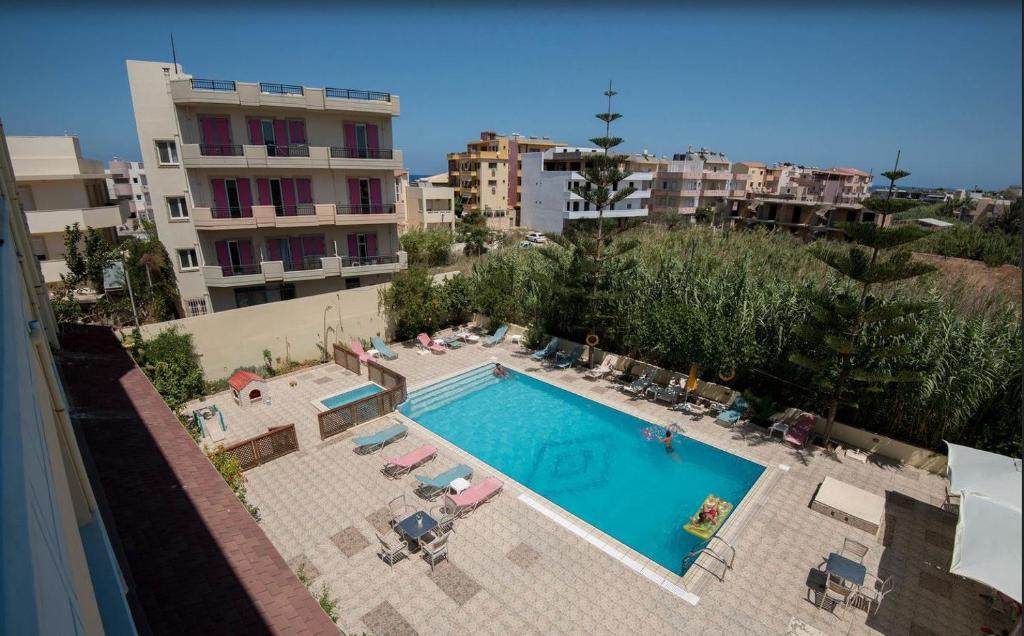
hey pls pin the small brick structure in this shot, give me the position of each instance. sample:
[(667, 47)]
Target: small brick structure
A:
[(195, 561)]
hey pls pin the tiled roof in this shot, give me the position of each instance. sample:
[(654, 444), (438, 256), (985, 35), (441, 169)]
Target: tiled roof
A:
[(239, 379), (195, 561)]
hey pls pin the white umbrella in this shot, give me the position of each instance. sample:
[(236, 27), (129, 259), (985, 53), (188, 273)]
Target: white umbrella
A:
[(997, 477), (987, 548)]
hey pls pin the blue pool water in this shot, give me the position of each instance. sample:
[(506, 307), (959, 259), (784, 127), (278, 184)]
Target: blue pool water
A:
[(350, 396), (591, 460)]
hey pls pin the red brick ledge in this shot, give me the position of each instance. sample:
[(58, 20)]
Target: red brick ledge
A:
[(196, 560)]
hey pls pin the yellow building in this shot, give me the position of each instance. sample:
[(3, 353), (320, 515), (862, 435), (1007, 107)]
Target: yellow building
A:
[(756, 174), (487, 180)]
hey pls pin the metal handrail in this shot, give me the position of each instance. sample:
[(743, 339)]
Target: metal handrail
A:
[(348, 93), (295, 209), (281, 89), (341, 152), (305, 264), (220, 150), (213, 85), (359, 208), (240, 269), (244, 211), (362, 261), (291, 150)]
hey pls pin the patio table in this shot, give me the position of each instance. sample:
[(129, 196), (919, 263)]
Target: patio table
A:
[(846, 569), (779, 427), (458, 485), (416, 525)]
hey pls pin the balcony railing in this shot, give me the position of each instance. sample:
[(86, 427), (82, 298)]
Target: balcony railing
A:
[(240, 269), (220, 150), (296, 209), (338, 152), (305, 264), (231, 213), (294, 150), (361, 208), (213, 85), (347, 93), (363, 261), (280, 89)]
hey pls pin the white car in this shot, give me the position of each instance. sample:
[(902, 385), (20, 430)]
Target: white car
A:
[(536, 237)]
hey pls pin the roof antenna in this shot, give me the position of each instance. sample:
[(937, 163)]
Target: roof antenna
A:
[(174, 55)]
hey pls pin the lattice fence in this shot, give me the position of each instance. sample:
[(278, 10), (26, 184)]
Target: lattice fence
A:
[(344, 417), (384, 376), (261, 449), (347, 359)]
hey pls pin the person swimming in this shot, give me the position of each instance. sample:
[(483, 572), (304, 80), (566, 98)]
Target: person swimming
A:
[(500, 372), (667, 441)]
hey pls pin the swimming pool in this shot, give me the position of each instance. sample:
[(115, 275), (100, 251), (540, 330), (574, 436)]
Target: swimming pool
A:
[(350, 396), (591, 460)]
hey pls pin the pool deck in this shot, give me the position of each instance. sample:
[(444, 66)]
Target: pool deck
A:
[(521, 564)]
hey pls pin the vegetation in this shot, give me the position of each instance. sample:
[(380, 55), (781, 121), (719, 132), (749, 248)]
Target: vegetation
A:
[(429, 248), (323, 595), (415, 302), (231, 470), (472, 230), (993, 247), (171, 365)]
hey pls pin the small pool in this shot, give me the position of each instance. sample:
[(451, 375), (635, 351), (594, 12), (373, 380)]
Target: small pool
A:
[(590, 459), (350, 396)]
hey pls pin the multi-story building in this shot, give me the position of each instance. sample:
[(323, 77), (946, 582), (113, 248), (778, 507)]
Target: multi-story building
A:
[(127, 184), (756, 174), (60, 573), (58, 188), (807, 218), (487, 177), (264, 192), (692, 180), (549, 178), (429, 206)]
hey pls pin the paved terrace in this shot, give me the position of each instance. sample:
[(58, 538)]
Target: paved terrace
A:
[(514, 570)]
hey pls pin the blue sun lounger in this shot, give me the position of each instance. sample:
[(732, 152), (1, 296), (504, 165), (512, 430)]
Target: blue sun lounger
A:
[(431, 487), (498, 336), (566, 361), (380, 438), (546, 352), (734, 413), (384, 350)]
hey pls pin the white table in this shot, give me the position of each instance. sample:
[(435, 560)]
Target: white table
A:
[(373, 353), (516, 339), (440, 342), (781, 427), (467, 336), (458, 485)]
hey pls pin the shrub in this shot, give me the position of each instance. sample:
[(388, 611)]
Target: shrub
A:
[(428, 248), (323, 596), (230, 470), (412, 303), (992, 247), (169, 361)]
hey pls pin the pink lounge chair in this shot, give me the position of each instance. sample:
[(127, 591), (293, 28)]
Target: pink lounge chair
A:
[(357, 348), (801, 430), (398, 466), (428, 344), (468, 500)]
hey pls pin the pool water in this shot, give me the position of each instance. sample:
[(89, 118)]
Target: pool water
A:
[(592, 460), (351, 396)]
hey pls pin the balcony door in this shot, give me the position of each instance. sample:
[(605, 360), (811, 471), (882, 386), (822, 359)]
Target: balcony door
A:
[(366, 195), (216, 132), (362, 141), (232, 198), (277, 196), (234, 257)]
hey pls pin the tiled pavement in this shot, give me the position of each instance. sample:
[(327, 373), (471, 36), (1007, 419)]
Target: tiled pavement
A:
[(514, 571)]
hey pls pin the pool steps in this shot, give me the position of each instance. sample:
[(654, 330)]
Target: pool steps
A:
[(437, 395)]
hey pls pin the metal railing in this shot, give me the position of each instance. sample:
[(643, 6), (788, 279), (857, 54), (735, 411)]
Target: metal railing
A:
[(347, 93), (220, 150), (305, 264), (360, 208), (292, 150), (258, 450), (340, 152), (364, 261), (213, 85), (296, 209), (231, 213), (280, 89), (240, 269)]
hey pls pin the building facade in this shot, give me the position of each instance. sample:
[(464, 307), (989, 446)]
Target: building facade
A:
[(429, 206), (60, 575), (756, 173), (127, 184), (549, 178), (487, 177), (57, 187), (693, 180), (264, 192)]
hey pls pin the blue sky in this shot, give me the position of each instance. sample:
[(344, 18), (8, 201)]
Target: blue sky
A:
[(795, 83)]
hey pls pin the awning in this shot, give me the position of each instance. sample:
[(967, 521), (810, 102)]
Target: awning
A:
[(988, 544), (994, 476)]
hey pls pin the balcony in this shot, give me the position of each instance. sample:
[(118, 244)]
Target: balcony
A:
[(311, 268), (48, 221), (123, 189), (298, 215), (365, 158), (294, 156), (608, 214), (715, 193), (254, 95), (347, 214)]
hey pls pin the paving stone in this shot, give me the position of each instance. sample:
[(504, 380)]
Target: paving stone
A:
[(380, 519), (303, 563), (323, 380), (523, 555), (384, 620), (459, 586), (935, 584), (350, 541)]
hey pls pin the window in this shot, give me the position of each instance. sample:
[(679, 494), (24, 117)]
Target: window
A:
[(138, 197), (492, 165), (195, 306), (167, 153), (135, 179), (176, 208), (188, 260)]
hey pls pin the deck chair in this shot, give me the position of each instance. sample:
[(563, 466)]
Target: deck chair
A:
[(431, 487), (380, 438), (384, 350), (549, 350), (566, 361), (470, 499), (357, 348), (497, 337), (606, 367), (427, 344), (398, 466)]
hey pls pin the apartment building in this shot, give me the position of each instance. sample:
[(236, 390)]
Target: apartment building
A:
[(549, 177), (57, 187), (487, 177), (756, 173), (263, 191), (429, 206), (127, 184), (693, 180), (60, 574), (808, 218)]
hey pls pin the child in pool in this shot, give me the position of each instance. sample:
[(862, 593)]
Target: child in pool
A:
[(500, 372), (667, 441)]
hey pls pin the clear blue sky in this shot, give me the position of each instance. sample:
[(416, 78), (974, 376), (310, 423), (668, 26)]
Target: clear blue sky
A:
[(760, 82)]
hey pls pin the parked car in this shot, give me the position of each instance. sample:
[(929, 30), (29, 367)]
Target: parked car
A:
[(536, 237)]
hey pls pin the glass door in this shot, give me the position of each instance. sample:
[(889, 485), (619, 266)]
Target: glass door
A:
[(268, 137), (234, 257), (361, 144), (234, 203), (364, 196), (276, 197)]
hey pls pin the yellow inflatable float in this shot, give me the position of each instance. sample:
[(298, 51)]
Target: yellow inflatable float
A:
[(709, 518)]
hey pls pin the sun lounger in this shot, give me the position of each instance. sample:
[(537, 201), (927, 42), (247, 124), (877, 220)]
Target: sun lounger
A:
[(671, 392), (567, 360), (431, 487), (384, 351), (549, 350), (799, 433), (640, 385), (498, 336), (734, 413), (380, 438), (398, 466), (452, 342), (427, 344), (469, 499), (606, 367), (357, 348)]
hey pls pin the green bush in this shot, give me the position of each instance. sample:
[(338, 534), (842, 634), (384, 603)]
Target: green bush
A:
[(413, 303), (429, 248), (170, 362), (992, 247), (231, 470)]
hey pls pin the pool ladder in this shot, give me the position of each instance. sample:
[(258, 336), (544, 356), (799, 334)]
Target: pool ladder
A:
[(724, 554)]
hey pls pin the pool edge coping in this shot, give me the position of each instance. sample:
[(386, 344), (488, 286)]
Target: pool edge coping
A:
[(322, 408)]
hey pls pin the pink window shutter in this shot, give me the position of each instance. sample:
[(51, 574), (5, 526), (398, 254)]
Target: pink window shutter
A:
[(223, 125), (353, 195), (208, 126), (288, 195), (297, 131), (313, 245), (371, 244), (376, 202), (281, 132), (353, 245), (350, 136), (296, 245), (274, 249), (256, 132), (245, 197), (223, 259), (304, 190), (245, 252), (263, 190), (372, 141), (220, 196)]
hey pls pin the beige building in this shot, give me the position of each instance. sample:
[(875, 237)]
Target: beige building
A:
[(429, 206), (264, 192), (487, 177), (693, 180), (57, 187), (756, 175)]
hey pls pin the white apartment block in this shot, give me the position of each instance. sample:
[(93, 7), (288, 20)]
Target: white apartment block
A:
[(57, 187), (429, 206), (264, 192), (692, 180), (127, 184)]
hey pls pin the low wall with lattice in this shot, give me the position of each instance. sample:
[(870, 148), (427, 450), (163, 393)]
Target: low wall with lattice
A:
[(276, 442), (344, 417)]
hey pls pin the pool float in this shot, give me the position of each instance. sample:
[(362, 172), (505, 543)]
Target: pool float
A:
[(709, 517), (652, 433)]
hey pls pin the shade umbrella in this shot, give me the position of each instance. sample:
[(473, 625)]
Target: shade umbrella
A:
[(994, 476)]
